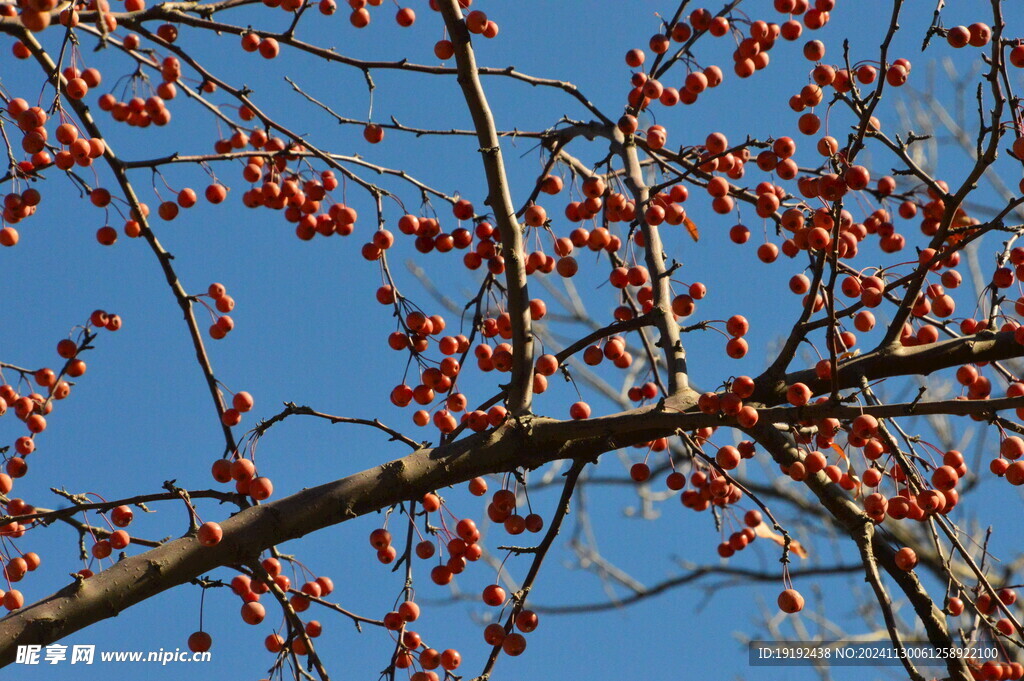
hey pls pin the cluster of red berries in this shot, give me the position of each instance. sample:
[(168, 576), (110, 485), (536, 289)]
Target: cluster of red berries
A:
[(462, 547), (429, 237), (186, 198), (243, 472), (863, 433), (710, 488), (140, 112), (120, 516), (16, 207), (731, 403), (502, 510), (975, 35), (992, 670), (223, 325), (418, 329), (33, 408), (31, 121), (428, 658), (641, 471), (817, 235), (268, 47), (276, 643), (253, 612), (741, 539), (1008, 464), (15, 563), (614, 350), (300, 195), (642, 393), (683, 305), (512, 643)]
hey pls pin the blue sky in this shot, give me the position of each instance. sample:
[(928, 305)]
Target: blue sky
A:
[(308, 331)]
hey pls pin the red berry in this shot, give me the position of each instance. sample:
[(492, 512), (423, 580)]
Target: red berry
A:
[(210, 534), (790, 601), (906, 559)]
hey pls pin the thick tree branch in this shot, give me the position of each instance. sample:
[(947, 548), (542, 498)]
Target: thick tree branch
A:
[(499, 198), (654, 255)]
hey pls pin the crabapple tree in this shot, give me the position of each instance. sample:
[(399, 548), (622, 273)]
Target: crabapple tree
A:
[(710, 269)]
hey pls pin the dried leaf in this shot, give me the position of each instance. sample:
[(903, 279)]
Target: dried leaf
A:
[(691, 228), (795, 547), (963, 220), (839, 450)]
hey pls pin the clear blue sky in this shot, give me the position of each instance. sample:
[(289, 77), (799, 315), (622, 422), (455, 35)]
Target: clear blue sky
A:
[(309, 331)]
